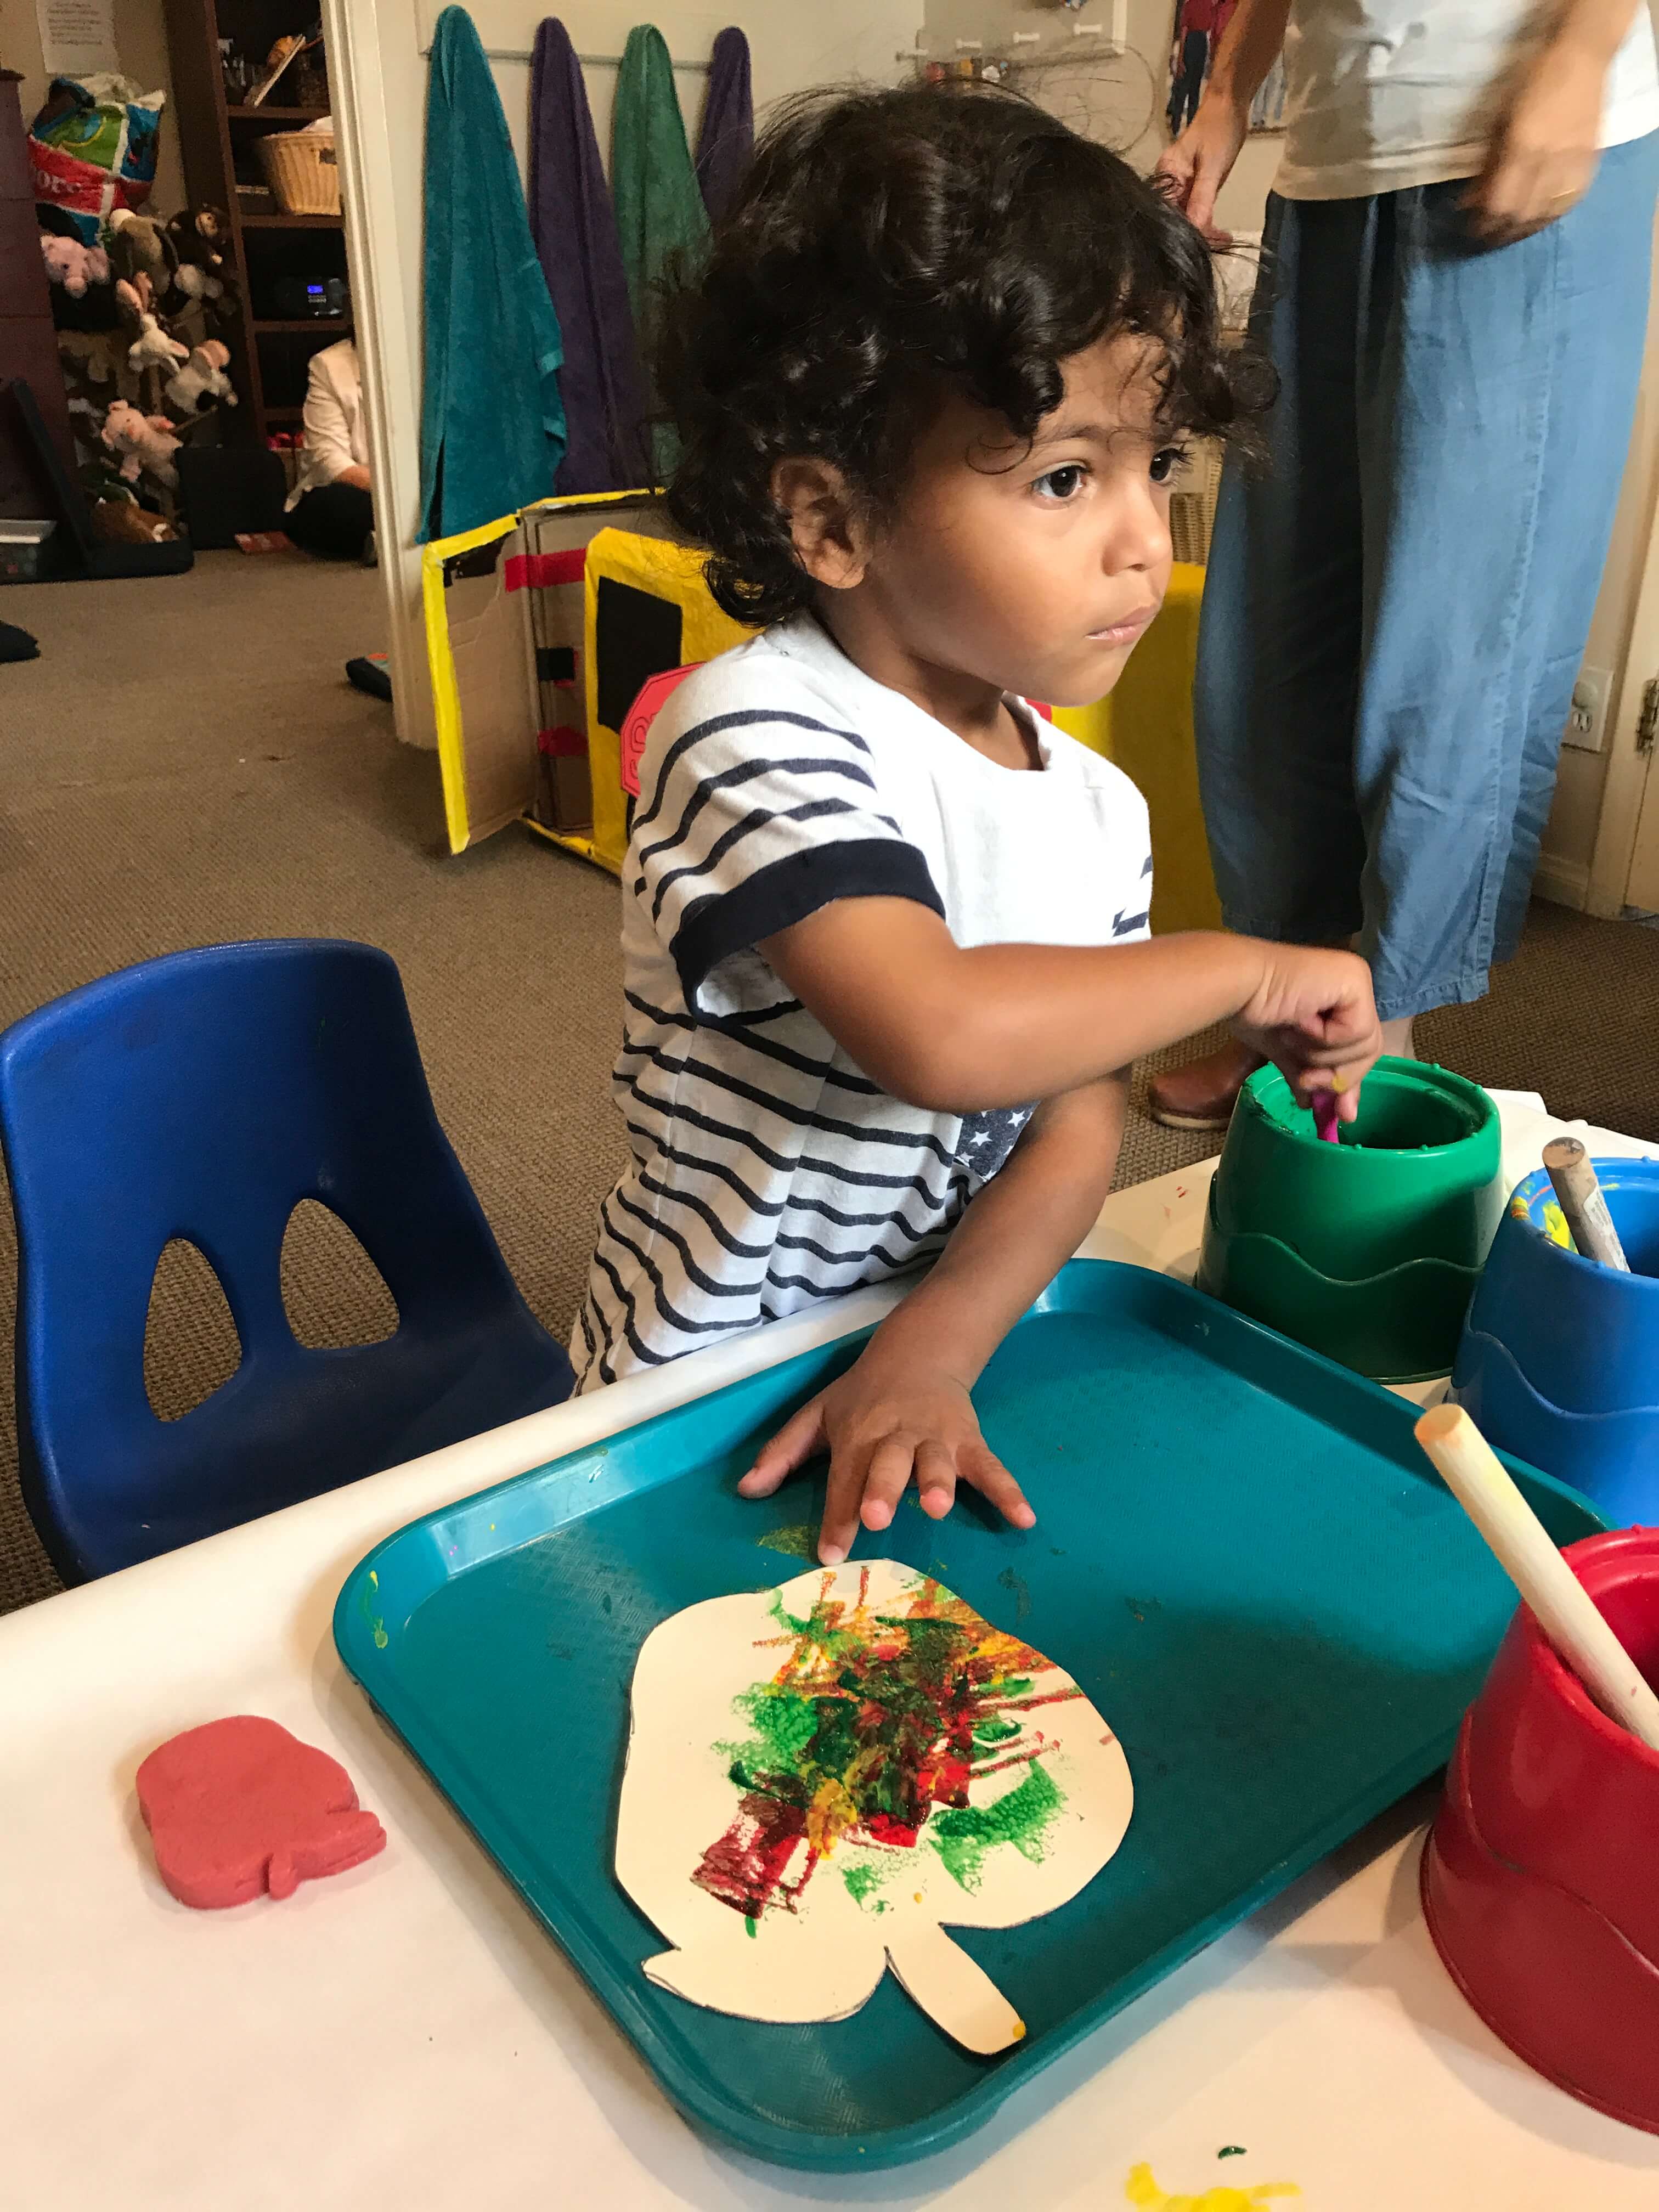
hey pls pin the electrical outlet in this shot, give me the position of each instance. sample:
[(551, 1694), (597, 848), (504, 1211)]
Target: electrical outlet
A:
[(1586, 717)]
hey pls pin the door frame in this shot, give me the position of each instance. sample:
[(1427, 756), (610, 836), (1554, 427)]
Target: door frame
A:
[(377, 81), (1629, 796)]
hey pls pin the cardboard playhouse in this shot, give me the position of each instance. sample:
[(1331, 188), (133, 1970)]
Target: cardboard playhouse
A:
[(555, 635)]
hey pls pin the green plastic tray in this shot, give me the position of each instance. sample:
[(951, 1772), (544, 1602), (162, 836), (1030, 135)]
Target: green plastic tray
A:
[(1240, 1554)]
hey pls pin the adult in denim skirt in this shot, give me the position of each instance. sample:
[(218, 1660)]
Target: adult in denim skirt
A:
[(1454, 291)]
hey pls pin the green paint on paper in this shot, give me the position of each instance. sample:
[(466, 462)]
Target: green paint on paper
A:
[(796, 1540), (1015, 1586), (1022, 1818), (871, 1721), (748, 1921), (862, 1880), (994, 1728), (1232, 2150), (784, 1729)]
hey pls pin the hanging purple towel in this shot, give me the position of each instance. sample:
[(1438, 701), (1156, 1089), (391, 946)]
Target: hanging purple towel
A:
[(574, 228), (727, 137)]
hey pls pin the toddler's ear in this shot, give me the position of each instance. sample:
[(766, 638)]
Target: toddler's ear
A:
[(830, 541)]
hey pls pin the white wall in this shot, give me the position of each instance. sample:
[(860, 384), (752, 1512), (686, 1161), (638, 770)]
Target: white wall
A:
[(141, 39), (378, 72)]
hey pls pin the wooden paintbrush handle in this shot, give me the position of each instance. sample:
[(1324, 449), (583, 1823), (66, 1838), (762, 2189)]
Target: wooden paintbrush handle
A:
[(1573, 1174), (1564, 1608)]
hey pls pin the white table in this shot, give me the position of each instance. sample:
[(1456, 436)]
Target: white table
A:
[(403, 2036)]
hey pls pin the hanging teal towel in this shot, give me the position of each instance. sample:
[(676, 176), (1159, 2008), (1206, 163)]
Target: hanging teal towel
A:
[(492, 426), (660, 215)]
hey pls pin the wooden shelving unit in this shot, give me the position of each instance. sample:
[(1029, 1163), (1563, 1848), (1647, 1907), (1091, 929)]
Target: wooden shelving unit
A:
[(269, 351), (292, 222)]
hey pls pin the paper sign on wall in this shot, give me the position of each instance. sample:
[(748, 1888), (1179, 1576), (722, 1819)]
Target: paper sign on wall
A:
[(77, 37)]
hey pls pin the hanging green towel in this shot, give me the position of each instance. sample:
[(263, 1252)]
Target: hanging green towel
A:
[(492, 427), (660, 215)]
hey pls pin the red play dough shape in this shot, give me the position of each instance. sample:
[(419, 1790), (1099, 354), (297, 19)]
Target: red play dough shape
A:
[(240, 1806)]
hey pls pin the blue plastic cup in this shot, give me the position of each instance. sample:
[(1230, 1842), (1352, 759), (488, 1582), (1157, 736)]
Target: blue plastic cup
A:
[(1560, 1357)]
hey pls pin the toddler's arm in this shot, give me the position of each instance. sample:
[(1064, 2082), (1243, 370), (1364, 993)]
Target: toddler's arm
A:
[(904, 1407), (960, 1029)]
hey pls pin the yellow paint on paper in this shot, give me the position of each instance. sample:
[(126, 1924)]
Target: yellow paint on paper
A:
[(1555, 1226), (1142, 2190)]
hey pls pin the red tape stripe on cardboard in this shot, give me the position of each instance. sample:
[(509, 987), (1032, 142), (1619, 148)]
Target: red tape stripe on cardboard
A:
[(531, 571)]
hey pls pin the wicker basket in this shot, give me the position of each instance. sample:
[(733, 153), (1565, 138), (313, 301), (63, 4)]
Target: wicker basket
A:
[(1192, 508), (300, 166)]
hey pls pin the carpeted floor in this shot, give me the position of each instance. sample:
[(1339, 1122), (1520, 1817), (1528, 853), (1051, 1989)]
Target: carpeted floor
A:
[(185, 762)]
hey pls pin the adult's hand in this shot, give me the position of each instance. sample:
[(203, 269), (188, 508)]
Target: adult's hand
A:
[(1544, 152), (1195, 168)]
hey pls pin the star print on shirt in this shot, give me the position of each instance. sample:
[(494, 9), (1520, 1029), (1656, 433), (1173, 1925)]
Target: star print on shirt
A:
[(987, 1139)]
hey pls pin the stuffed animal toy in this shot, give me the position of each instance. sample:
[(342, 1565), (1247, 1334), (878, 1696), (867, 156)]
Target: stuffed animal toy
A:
[(134, 297), (117, 519), (73, 265), (143, 441), (140, 246), (202, 379), (200, 238), (95, 365), (196, 284), (154, 348)]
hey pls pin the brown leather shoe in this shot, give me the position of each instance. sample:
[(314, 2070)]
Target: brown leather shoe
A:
[(1202, 1094)]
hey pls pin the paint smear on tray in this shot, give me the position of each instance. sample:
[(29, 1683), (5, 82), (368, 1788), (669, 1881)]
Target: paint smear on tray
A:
[(869, 1732), (1142, 2190), (795, 1541), (376, 1622)]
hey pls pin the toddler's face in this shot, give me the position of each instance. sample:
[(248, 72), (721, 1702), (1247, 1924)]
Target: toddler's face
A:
[(1036, 572)]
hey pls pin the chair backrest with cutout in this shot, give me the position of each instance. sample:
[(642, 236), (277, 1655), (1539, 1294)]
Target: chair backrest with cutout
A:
[(203, 1096)]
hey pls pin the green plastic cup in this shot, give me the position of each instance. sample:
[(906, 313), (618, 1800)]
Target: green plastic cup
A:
[(1368, 1249)]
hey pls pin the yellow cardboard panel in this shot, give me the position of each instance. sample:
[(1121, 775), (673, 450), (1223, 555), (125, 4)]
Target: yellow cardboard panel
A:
[(482, 641), (669, 574), (1146, 726)]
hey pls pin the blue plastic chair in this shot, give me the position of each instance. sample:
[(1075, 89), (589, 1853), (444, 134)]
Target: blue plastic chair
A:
[(203, 1095)]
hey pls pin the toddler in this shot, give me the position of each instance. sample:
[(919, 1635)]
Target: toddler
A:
[(884, 929)]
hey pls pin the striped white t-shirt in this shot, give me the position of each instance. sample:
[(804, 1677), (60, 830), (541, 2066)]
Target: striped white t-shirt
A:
[(767, 1171)]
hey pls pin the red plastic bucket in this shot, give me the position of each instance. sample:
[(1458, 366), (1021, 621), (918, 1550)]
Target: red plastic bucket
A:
[(1540, 1879)]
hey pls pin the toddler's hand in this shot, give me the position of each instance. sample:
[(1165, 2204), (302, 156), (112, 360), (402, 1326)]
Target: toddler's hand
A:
[(888, 1418), (1314, 1018)]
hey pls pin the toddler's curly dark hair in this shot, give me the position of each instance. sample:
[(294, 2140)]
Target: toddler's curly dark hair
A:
[(886, 246)]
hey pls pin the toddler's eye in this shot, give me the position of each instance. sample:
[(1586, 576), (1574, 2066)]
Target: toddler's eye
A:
[(1062, 484), (1165, 463)]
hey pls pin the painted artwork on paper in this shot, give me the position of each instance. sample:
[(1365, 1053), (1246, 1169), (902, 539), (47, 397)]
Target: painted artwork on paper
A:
[(820, 1775)]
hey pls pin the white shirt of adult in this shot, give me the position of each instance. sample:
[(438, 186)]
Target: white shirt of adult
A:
[(336, 436), (1382, 95)]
